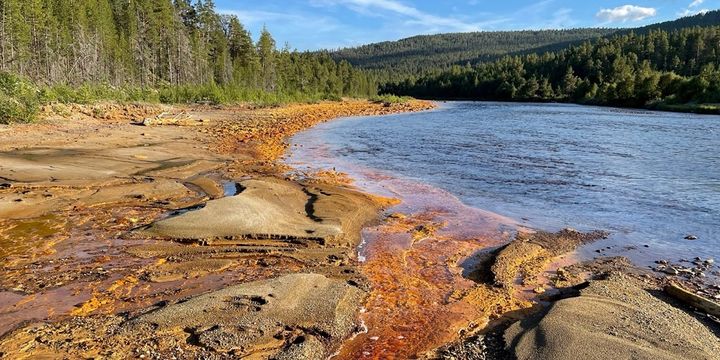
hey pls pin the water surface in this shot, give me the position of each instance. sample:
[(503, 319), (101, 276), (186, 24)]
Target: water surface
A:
[(650, 178)]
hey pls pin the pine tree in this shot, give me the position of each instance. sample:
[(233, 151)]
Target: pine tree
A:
[(266, 55)]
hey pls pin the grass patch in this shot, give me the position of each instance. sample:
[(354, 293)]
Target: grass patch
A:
[(210, 94)]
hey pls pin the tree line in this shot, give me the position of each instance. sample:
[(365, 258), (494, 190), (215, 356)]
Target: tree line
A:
[(151, 44), (637, 70)]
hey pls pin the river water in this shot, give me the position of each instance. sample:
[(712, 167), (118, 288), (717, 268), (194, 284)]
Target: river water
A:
[(649, 178)]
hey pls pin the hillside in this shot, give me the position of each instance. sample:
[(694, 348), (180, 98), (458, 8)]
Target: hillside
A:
[(675, 70), (420, 53), (711, 18), (395, 61)]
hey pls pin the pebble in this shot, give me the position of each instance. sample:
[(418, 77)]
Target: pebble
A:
[(691, 237), (670, 270)]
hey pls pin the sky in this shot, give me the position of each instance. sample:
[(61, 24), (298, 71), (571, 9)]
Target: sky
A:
[(332, 24)]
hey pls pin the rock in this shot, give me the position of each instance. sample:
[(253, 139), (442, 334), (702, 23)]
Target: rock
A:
[(691, 237), (275, 316), (397, 216), (644, 327), (5, 185), (539, 290), (670, 270), (709, 261)]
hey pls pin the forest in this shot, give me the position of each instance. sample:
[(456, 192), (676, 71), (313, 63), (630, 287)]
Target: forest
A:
[(658, 69), (396, 60), (153, 50)]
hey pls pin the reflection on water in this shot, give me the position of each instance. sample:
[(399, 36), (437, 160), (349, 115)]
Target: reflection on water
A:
[(649, 178)]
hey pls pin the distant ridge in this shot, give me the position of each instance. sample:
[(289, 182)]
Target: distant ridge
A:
[(710, 18), (417, 53), (413, 56)]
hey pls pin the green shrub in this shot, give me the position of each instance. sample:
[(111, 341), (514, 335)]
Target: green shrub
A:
[(332, 97), (390, 99), (19, 100)]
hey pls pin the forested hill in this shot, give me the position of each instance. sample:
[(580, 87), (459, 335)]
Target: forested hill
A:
[(660, 69), (421, 53), (394, 61), (710, 18)]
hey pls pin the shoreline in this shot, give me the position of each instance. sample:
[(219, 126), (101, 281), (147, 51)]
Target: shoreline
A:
[(554, 278), (698, 109), (128, 276)]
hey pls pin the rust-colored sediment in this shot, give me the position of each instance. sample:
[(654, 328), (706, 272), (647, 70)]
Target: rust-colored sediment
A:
[(421, 296), (73, 186)]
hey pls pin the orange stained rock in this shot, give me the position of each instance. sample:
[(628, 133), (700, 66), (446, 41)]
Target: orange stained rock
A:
[(414, 304), (105, 299)]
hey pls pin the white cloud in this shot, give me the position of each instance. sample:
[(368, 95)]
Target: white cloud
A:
[(689, 12), (626, 13), (692, 9)]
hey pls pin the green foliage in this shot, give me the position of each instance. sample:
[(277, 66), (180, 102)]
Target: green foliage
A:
[(210, 94), (674, 68), (390, 99), (90, 93), (394, 61), (18, 99), (159, 50)]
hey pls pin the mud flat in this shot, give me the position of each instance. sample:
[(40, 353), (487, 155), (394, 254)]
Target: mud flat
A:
[(174, 231)]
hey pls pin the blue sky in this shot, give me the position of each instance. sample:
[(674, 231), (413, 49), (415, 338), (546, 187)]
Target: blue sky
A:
[(329, 24)]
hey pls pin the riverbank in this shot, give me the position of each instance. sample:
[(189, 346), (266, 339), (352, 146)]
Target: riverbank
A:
[(94, 235), (690, 108)]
